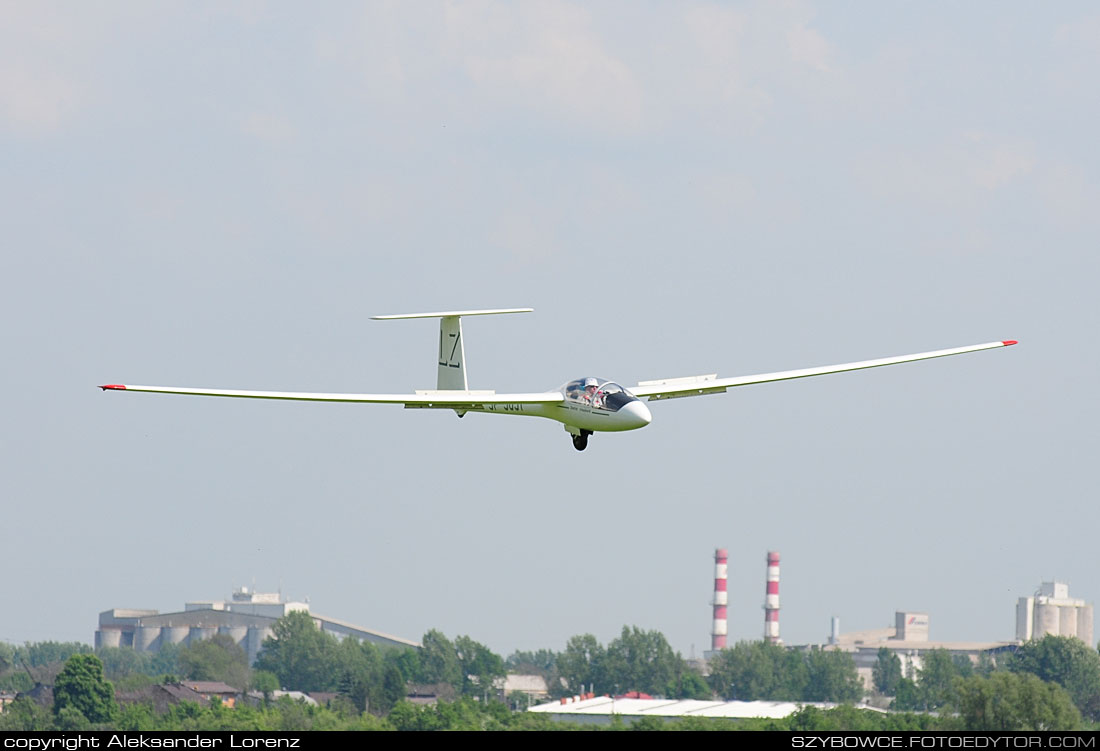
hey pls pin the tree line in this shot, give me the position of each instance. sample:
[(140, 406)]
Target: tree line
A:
[(1049, 683), (636, 660), (1034, 670), (761, 670)]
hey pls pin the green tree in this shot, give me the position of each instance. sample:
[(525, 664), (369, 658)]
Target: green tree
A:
[(1067, 661), (986, 665), (479, 666), (119, 662), (16, 681), (369, 680), (133, 682), (580, 664), (886, 672), (164, 661), (394, 689), (647, 724), (641, 661), (405, 661), (7, 657), (906, 696), (689, 685), (541, 662), (25, 714), (136, 717), (360, 666), (964, 668), (12, 675), (300, 654), (38, 654), (439, 660), (406, 716), (218, 658), (936, 680), (265, 682), (756, 670), (848, 718), (71, 718), (82, 687), (841, 718), (831, 676), (1014, 701)]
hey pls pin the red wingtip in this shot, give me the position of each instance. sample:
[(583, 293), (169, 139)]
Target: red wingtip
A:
[(1009, 342), (113, 386)]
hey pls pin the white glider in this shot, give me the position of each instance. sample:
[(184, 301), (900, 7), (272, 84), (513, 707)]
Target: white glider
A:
[(585, 405)]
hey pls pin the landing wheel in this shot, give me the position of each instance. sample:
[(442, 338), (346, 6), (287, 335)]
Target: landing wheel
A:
[(580, 442)]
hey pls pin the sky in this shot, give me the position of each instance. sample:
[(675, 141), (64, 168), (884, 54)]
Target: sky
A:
[(221, 195)]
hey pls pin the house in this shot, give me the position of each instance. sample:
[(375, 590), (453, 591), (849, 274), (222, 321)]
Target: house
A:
[(161, 697), (211, 689)]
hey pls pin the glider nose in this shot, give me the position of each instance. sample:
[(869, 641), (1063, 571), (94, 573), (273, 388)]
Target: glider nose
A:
[(637, 414)]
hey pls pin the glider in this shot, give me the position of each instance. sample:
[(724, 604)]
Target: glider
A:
[(584, 406)]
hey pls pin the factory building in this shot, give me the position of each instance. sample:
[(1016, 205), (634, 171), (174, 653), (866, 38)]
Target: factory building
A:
[(1052, 611), (248, 617), (908, 639)]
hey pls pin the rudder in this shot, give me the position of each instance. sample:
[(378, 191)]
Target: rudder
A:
[(452, 359)]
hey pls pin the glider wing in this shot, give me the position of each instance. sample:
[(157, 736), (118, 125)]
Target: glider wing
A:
[(448, 399), (673, 388)]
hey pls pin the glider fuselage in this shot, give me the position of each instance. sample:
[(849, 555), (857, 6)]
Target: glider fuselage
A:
[(590, 404)]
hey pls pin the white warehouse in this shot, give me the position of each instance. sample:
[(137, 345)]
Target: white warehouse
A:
[(248, 617)]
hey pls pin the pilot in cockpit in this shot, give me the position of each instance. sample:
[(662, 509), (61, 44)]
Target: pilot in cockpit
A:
[(590, 391)]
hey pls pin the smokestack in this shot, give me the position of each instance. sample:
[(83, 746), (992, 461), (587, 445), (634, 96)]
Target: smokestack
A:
[(718, 632), (771, 600)]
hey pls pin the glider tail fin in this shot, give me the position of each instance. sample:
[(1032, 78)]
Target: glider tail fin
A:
[(452, 359)]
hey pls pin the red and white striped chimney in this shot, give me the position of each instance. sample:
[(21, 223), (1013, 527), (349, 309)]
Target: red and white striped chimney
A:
[(718, 632), (771, 600)]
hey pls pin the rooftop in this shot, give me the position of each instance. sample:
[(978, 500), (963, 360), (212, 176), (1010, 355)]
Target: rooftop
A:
[(605, 705)]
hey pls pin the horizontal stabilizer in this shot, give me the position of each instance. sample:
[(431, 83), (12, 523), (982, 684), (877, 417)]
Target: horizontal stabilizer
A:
[(453, 314)]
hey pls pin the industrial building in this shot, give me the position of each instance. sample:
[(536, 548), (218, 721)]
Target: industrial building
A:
[(1052, 611), (908, 639), (248, 617)]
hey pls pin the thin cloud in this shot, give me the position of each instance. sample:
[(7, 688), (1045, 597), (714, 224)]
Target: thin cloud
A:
[(556, 64)]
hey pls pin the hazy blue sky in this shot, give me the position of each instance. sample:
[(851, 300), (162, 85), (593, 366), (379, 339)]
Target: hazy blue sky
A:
[(203, 194)]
